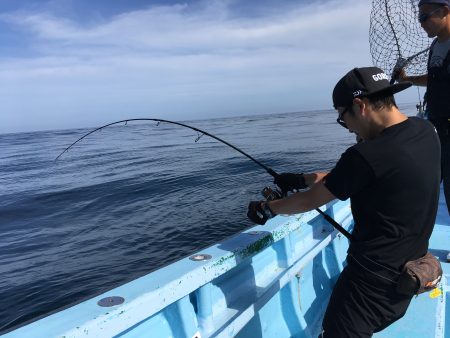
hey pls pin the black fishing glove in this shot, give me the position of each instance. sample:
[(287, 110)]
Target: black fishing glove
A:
[(259, 212), (288, 182)]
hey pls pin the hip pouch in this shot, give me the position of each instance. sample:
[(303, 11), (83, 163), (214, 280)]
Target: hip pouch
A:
[(419, 276)]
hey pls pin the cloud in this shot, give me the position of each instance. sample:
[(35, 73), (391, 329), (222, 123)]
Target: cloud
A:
[(177, 29), (185, 59)]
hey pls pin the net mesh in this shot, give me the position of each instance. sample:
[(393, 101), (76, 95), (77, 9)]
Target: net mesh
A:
[(395, 32)]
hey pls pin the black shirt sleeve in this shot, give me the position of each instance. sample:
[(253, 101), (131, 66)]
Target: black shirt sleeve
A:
[(351, 174)]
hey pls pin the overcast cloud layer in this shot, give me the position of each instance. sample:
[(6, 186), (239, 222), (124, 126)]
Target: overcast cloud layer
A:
[(180, 61)]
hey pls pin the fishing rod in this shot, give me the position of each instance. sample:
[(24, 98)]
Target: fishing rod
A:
[(269, 170)]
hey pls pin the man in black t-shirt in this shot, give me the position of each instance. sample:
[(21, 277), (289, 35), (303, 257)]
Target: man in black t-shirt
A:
[(392, 179)]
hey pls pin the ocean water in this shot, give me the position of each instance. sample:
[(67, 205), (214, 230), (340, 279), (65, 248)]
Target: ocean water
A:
[(133, 198)]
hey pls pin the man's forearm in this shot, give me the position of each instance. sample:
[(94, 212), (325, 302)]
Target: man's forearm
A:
[(292, 204), (303, 201), (311, 179), (417, 80)]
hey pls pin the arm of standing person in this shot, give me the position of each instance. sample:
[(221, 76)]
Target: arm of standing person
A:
[(260, 211), (303, 201), (311, 179), (291, 181), (417, 80), (351, 174)]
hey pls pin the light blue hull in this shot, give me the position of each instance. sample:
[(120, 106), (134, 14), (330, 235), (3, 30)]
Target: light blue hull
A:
[(270, 281)]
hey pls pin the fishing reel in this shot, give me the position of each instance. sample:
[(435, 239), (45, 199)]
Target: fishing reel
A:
[(271, 194)]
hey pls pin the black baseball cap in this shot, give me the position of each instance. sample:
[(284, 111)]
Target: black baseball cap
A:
[(361, 82)]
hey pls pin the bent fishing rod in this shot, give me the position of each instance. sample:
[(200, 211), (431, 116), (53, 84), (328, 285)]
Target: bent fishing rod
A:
[(202, 132)]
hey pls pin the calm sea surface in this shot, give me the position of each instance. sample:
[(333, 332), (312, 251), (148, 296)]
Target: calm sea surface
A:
[(131, 199)]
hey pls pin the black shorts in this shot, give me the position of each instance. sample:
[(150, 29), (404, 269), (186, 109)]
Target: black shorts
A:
[(361, 304)]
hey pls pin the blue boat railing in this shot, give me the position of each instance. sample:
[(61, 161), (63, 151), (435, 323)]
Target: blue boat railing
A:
[(270, 281)]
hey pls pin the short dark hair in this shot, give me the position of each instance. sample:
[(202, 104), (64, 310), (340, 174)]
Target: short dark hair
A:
[(380, 100)]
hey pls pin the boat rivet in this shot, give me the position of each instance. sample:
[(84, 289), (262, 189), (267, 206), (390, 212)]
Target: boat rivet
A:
[(200, 257), (110, 301)]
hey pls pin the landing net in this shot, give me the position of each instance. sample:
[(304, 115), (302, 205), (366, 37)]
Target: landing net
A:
[(396, 37)]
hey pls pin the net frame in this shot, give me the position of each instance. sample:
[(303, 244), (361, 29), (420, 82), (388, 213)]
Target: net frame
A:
[(396, 37)]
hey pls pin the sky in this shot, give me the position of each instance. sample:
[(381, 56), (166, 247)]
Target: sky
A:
[(83, 63)]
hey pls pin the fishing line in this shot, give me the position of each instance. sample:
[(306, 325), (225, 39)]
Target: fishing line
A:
[(199, 135)]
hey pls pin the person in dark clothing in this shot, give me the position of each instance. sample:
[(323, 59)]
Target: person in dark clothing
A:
[(434, 16), (392, 179)]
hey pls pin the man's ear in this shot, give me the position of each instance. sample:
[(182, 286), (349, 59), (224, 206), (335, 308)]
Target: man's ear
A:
[(446, 10), (359, 106)]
